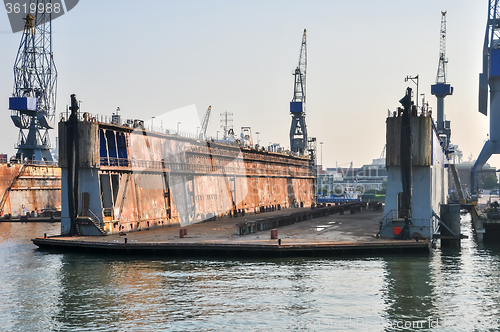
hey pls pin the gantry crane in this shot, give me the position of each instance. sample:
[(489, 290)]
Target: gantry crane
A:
[(490, 76), (298, 129), (33, 100), (442, 89), (204, 125)]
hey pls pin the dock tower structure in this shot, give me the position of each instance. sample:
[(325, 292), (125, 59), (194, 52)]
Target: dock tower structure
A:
[(298, 129), (33, 100), (442, 89), (490, 76), (417, 175)]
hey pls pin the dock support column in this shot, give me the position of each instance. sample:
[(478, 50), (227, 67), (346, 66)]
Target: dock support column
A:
[(450, 230)]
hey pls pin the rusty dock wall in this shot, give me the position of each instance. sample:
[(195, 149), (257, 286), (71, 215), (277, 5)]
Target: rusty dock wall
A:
[(131, 179), (27, 188)]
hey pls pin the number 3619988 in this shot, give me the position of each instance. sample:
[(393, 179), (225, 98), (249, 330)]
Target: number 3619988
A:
[(32, 8)]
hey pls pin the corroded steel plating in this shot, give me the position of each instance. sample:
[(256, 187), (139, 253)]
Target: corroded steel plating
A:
[(132, 179)]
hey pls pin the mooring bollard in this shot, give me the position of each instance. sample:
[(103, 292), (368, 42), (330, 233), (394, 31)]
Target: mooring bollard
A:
[(44, 235), (183, 233), (125, 240), (279, 242), (274, 234)]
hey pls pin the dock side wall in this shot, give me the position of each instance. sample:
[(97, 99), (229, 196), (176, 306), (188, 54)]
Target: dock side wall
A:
[(429, 181), (29, 188), (140, 180)]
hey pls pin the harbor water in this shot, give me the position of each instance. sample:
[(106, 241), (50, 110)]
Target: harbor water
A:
[(448, 290)]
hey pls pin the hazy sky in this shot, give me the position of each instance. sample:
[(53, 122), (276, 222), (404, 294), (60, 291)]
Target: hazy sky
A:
[(150, 57)]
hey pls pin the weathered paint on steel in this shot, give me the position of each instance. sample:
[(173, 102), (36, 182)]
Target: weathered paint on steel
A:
[(29, 188), (167, 180), (429, 180), (422, 132)]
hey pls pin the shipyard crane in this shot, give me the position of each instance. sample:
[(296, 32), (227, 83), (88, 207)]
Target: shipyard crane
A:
[(442, 89), (298, 129), (382, 155), (33, 100), (490, 76), (204, 125)]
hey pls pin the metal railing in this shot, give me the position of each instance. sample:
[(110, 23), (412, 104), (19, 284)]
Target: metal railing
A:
[(95, 218), (89, 117), (108, 212), (29, 162), (386, 220), (112, 161), (202, 168)]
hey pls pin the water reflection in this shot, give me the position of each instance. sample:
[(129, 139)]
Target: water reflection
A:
[(30, 284), (408, 293), (468, 281), (451, 290), (458, 290)]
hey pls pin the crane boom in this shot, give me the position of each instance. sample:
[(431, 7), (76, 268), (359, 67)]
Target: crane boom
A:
[(204, 125), (441, 73), (299, 93)]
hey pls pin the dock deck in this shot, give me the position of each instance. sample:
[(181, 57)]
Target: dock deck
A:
[(331, 235)]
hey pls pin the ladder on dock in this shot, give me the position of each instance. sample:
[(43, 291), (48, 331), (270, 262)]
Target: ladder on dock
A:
[(98, 223), (9, 188), (93, 218), (456, 179)]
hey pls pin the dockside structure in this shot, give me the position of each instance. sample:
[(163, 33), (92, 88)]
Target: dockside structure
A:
[(29, 188), (128, 178), (428, 169)]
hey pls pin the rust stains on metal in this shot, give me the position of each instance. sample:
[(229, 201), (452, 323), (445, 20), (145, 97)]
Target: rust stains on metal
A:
[(142, 180), (28, 188)]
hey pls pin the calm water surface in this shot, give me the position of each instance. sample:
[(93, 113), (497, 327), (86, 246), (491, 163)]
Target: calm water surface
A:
[(445, 291)]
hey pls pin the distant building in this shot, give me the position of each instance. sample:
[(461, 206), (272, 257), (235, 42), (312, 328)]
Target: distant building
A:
[(334, 181), (464, 169)]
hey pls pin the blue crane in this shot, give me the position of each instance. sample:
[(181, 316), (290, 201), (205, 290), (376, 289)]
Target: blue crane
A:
[(33, 100), (490, 76), (442, 89), (298, 129)]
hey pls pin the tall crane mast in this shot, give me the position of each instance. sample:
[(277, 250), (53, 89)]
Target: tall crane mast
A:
[(442, 89), (298, 129), (204, 125), (33, 100), (490, 76)]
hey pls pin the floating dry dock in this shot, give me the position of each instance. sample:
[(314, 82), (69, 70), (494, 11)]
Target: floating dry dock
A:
[(29, 189), (119, 177), (309, 233)]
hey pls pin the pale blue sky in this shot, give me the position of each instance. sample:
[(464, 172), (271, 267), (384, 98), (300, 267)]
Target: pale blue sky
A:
[(150, 57)]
